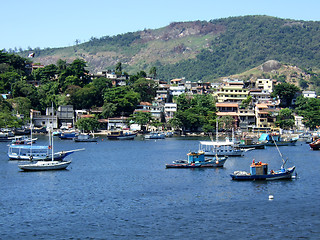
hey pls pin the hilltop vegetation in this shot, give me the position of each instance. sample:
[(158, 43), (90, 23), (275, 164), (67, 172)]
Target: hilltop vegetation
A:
[(199, 50)]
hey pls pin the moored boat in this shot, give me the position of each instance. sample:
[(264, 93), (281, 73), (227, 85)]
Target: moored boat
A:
[(70, 135), (35, 152), (220, 148), (121, 135), (85, 138), (249, 143), (315, 145), (45, 165), (273, 139), (23, 140), (197, 160), (259, 171), (155, 135)]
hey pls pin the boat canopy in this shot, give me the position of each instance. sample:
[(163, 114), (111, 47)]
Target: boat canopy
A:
[(210, 143), (33, 147)]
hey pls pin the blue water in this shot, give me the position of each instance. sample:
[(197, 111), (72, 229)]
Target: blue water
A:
[(121, 190)]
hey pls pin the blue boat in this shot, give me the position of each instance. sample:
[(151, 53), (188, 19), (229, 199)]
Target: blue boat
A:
[(198, 160), (274, 139), (259, 171), (68, 135)]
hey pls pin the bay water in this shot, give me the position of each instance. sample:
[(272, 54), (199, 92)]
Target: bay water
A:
[(122, 190)]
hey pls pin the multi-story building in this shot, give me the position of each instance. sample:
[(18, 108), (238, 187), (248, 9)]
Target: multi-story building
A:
[(231, 93), (265, 84), (229, 109), (265, 116), (260, 95), (169, 110), (65, 115)]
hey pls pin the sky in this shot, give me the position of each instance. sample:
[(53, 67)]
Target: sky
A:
[(59, 23)]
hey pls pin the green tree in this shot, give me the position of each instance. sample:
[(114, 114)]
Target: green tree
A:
[(285, 119), (286, 93), (7, 119), (153, 72), (125, 98), (146, 88), (309, 109), (21, 105), (87, 124), (141, 118), (119, 67)]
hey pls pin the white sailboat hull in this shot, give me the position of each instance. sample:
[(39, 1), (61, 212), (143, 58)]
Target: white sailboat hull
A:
[(45, 165)]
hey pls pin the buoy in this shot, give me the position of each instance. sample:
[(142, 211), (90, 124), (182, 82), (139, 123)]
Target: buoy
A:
[(270, 197)]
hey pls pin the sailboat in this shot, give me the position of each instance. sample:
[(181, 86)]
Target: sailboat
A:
[(46, 164)]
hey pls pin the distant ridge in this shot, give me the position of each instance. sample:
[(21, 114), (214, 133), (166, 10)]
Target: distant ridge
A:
[(200, 50)]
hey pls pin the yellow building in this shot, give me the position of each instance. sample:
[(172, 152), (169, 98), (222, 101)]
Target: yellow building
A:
[(231, 93)]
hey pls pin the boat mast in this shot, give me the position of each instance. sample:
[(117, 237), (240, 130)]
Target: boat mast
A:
[(31, 115), (52, 156), (283, 161), (217, 125)]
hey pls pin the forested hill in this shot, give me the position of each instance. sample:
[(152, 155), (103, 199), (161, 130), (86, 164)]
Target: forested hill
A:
[(200, 50)]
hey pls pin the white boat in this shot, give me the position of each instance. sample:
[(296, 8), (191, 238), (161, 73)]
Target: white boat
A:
[(155, 135), (49, 162), (220, 148), (34, 152), (45, 165)]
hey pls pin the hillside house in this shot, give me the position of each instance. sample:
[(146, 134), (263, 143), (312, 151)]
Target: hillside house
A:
[(265, 115), (309, 94), (265, 84), (260, 95), (169, 110), (229, 109), (231, 93)]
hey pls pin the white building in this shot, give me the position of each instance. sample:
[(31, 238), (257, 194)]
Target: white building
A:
[(265, 84), (169, 110), (178, 90), (309, 94)]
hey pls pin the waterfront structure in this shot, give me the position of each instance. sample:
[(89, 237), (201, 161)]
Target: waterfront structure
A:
[(50, 119)]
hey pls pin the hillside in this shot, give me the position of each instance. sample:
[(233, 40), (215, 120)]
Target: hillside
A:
[(200, 50)]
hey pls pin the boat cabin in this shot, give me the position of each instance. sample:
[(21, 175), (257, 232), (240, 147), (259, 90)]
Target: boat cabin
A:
[(259, 168), (195, 157)]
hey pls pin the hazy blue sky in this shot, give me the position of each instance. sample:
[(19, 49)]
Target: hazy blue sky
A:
[(58, 23)]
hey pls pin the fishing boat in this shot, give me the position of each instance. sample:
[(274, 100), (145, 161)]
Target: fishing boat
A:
[(197, 160), (155, 135), (271, 139), (69, 135), (121, 135), (220, 148), (259, 171), (315, 145), (246, 143), (85, 138)]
